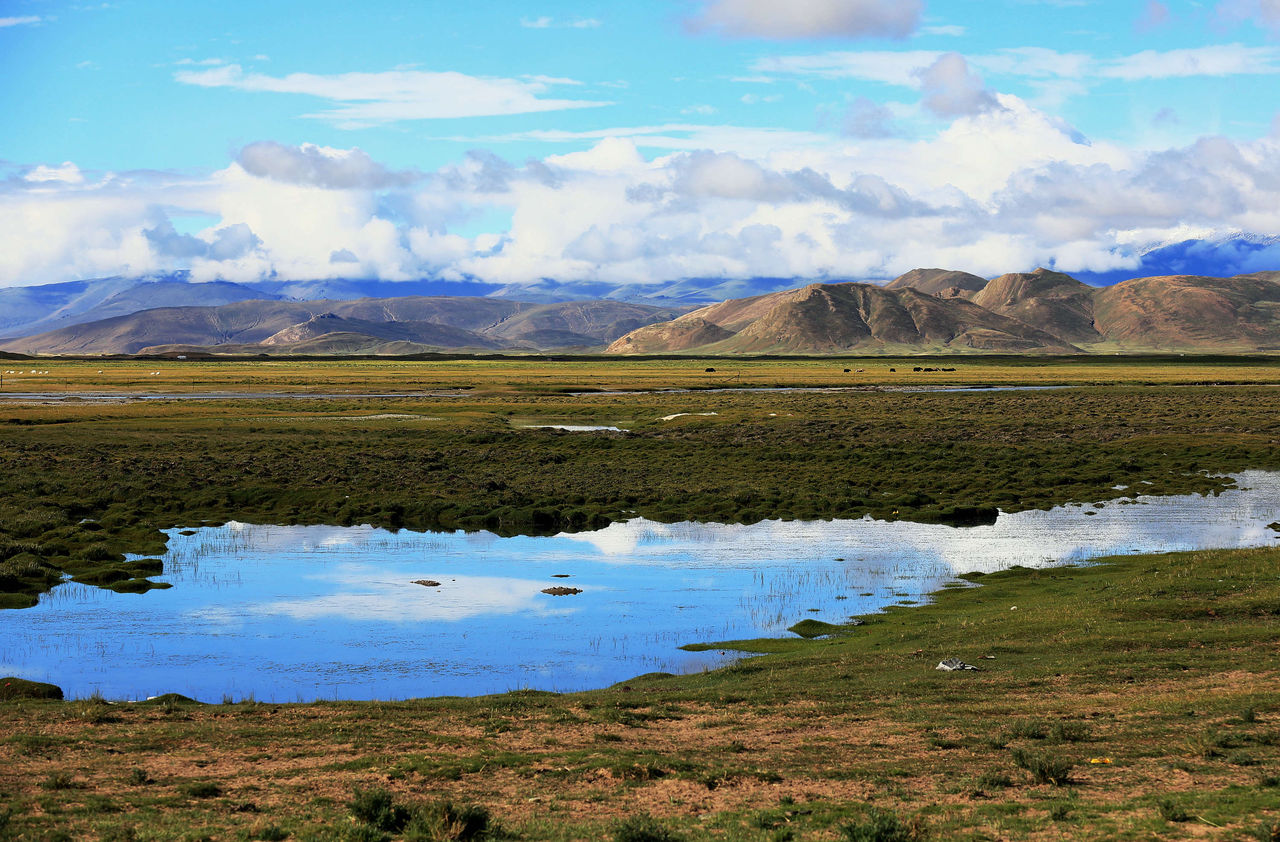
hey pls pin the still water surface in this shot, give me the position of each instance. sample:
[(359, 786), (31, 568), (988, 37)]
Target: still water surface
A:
[(316, 612)]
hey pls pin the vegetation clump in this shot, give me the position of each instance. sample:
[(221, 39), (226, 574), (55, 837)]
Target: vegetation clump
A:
[(881, 826), (443, 821), (12, 688)]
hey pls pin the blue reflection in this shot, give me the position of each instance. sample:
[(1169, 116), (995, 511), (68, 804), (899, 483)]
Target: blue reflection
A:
[(301, 613)]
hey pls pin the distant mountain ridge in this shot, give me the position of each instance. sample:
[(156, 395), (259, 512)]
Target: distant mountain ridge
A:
[(945, 311), (407, 324)]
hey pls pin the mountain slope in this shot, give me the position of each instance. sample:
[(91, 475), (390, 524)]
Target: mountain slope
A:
[(1050, 301), (1191, 312), (944, 283)]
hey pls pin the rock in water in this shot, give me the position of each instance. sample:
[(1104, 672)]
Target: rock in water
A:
[(560, 590)]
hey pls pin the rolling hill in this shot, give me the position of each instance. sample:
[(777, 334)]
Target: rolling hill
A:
[(946, 311)]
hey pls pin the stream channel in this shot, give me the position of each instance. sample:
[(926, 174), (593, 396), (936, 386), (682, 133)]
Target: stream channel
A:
[(297, 613)]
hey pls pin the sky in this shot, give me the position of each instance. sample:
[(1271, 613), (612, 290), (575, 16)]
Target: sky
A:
[(629, 142)]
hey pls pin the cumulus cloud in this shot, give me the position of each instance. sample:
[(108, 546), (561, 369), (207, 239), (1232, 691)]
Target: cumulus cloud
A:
[(810, 18), (367, 99), (320, 166), (951, 89), (229, 243)]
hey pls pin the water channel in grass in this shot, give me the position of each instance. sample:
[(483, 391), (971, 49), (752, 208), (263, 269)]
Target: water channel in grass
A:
[(287, 613)]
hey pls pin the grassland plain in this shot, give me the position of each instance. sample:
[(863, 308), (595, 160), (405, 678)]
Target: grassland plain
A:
[(1164, 665), (534, 374)]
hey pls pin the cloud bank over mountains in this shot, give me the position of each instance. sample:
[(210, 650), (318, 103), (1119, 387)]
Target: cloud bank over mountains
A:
[(1004, 185)]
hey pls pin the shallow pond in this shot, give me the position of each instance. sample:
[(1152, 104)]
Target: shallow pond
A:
[(301, 613)]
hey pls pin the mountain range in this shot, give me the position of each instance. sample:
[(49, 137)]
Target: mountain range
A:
[(944, 310), (29, 310), (924, 310), (403, 325)]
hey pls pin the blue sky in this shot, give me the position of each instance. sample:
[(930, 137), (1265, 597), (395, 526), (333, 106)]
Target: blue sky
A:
[(629, 142)]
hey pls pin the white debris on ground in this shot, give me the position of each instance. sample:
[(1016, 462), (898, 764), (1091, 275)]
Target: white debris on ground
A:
[(954, 665), (683, 414)]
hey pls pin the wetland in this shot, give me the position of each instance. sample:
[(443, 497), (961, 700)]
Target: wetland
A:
[(1160, 660)]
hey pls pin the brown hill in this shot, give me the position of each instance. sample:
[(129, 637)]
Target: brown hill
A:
[(944, 283), (1190, 312), (831, 318), (1050, 301)]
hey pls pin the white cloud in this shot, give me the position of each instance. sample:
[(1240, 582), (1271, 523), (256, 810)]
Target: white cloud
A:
[(1216, 60), (546, 22), (377, 98), (19, 21), (902, 67), (810, 18), (947, 30), (67, 173), (893, 67)]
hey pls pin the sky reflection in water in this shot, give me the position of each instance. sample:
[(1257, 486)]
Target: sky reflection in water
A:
[(300, 613)]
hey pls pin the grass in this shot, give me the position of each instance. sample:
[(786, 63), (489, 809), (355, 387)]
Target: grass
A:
[(548, 375)]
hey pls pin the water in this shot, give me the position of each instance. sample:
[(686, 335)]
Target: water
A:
[(124, 397), (301, 613), (575, 428)]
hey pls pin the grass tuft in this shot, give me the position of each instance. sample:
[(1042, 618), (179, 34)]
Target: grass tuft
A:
[(203, 789), (1172, 811), (644, 828), (881, 826), (1044, 768), (446, 821), (377, 809)]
